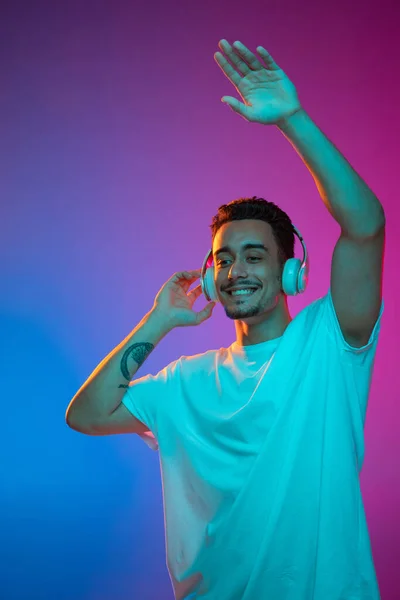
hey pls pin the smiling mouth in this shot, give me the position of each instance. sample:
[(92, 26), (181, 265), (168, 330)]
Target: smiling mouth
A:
[(245, 293)]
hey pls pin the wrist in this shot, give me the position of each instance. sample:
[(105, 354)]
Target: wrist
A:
[(159, 322), (287, 123)]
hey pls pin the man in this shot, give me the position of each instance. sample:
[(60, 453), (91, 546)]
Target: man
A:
[(261, 443)]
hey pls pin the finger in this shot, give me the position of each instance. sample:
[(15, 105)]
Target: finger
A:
[(234, 57), (250, 58), (205, 314), (267, 58), (236, 106), (196, 273), (184, 279), (195, 293), (227, 69), (187, 275)]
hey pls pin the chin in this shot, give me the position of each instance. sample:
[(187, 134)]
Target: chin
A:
[(242, 313), (249, 313)]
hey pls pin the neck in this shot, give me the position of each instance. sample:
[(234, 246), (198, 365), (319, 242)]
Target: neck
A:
[(265, 327)]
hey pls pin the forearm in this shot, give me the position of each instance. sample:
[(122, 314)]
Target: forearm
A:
[(102, 392), (347, 197)]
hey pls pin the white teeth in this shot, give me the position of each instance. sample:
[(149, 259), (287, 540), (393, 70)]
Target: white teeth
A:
[(242, 292)]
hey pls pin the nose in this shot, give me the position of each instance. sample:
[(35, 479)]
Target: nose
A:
[(238, 269)]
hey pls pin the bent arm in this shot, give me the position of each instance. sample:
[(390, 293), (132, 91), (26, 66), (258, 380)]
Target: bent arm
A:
[(101, 394)]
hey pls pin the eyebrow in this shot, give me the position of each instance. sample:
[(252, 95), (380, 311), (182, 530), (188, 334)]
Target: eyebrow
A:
[(249, 246)]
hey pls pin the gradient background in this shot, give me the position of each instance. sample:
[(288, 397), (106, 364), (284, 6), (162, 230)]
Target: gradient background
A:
[(115, 154)]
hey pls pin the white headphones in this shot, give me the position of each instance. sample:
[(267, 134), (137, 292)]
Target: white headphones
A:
[(294, 277)]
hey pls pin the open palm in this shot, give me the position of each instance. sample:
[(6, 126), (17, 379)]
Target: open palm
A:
[(268, 94)]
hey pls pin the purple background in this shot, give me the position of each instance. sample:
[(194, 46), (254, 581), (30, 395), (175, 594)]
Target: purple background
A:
[(115, 154)]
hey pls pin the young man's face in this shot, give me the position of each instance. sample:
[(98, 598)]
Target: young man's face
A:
[(255, 270)]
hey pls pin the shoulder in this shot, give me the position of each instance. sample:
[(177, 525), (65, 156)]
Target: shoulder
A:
[(203, 360), (310, 315), (319, 318)]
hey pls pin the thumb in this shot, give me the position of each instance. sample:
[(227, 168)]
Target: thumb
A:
[(206, 313), (235, 105)]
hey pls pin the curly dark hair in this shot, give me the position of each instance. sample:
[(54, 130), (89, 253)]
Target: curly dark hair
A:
[(259, 208)]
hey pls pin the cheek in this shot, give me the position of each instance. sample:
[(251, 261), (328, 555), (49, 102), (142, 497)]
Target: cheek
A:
[(272, 283), (218, 278)]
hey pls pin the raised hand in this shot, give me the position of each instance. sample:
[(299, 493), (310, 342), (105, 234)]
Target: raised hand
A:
[(267, 93), (175, 303)]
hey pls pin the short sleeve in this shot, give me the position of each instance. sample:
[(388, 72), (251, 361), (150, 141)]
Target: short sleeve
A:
[(143, 397), (335, 332)]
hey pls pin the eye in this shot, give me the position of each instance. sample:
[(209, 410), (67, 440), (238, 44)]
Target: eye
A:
[(220, 263)]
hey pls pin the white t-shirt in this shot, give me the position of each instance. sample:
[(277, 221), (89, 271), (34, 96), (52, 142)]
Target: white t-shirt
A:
[(260, 452)]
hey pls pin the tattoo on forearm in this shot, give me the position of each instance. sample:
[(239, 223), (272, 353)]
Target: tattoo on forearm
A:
[(139, 353)]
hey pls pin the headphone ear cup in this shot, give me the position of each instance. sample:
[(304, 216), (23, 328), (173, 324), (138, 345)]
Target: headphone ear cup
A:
[(209, 285), (290, 276), (302, 279)]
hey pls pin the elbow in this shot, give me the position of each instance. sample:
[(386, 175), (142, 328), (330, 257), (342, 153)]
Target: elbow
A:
[(73, 422)]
